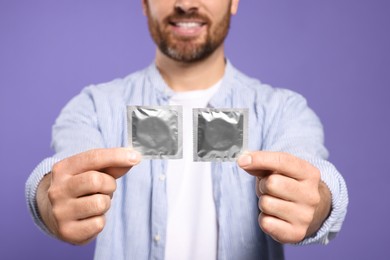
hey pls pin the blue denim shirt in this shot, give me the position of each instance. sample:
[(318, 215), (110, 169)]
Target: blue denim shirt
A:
[(279, 120)]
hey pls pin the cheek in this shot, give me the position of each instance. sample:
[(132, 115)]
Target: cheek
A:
[(218, 12), (159, 9)]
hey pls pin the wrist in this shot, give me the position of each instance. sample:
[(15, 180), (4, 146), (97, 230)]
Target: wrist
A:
[(322, 211), (43, 203)]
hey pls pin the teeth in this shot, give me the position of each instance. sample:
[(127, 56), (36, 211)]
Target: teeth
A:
[(188, 24)]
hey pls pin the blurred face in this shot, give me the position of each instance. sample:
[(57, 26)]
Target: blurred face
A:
[(189, 30)]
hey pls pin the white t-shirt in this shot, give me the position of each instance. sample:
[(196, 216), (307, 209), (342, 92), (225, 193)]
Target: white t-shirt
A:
[(192, 221)]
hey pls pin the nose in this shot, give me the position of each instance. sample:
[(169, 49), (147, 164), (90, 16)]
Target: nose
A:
[(186, 6)]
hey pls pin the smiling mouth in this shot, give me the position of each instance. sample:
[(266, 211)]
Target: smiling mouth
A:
[(187, 29)]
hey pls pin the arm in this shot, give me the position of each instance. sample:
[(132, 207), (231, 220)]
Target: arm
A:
[(312, 185)]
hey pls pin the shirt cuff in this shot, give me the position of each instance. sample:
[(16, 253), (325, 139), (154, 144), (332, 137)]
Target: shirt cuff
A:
[(31, 191), (336, 184)]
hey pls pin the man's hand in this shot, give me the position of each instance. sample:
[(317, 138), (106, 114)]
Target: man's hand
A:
[(293, 200), (74, 197)]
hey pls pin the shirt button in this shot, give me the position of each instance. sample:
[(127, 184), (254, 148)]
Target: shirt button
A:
[(157, 238), (162, 177)]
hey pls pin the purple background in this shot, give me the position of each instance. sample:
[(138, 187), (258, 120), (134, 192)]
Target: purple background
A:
[(336, 53)]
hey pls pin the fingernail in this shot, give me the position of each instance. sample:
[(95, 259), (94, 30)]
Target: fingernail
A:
[(244, 160), (134, 156)]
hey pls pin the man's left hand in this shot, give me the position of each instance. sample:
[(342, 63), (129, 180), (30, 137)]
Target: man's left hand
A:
[(293, 200)]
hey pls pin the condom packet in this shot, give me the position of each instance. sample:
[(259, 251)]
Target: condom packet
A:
[(155, 131), (220, 134)]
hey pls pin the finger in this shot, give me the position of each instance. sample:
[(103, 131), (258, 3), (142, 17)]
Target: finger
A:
[(256, 162), (98, 159), (259, 190), (280, 186), (280, 230), (82, 231), (277, 208), (81, 208), (91, 182), (90, 206)]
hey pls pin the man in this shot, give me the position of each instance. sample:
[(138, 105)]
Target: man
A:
[(281, 191)]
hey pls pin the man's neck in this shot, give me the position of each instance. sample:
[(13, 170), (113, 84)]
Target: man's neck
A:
[(199, 75)]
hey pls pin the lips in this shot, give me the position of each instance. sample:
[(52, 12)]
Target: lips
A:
[(188, 25), (188, 28)]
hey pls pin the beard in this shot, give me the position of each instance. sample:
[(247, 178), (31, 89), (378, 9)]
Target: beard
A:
[(188, 49)]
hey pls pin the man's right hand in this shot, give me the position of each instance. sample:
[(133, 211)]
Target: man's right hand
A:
[(74, 197)]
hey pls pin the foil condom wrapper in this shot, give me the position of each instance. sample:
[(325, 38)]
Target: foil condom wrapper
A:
[(220, 134), (155, 131)]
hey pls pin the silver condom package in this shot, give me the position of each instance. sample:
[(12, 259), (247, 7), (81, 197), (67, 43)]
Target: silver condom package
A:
[(155, 131), (219, 134)]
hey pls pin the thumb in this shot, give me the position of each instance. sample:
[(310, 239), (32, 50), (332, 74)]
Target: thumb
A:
[(245, 162), (118, 171)]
